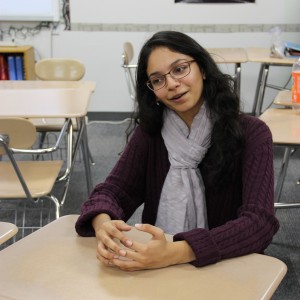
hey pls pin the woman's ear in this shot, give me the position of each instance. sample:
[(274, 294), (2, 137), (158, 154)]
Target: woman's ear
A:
[(203, 76)]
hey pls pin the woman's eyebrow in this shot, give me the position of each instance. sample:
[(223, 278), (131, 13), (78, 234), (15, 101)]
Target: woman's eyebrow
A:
[(171, 66)]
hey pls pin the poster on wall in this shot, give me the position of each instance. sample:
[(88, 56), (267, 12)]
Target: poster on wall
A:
[(214, 1)]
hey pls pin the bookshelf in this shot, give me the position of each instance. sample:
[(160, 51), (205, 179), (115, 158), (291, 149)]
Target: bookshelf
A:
[(27, 53)]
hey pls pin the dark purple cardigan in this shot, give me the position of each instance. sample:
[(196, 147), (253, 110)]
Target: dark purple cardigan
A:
[(241, 215)]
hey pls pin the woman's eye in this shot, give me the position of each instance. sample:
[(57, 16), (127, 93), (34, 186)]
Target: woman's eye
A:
[(179, 69), (156, 81)]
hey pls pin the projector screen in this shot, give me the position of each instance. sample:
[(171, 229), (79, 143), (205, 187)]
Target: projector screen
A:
[(29, 10)]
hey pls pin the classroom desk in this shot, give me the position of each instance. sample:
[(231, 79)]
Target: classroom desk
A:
[(7, 231), (235, 56), (285, 127), (51, 99), (54, 263), (262, 56)]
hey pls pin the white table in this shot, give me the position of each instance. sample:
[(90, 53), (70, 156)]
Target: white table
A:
[(50, 99), (285, 127), (235, 56), (262, 56), (54, 263)]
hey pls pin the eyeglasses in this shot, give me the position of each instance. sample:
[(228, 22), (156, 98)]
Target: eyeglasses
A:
[(157, 82)]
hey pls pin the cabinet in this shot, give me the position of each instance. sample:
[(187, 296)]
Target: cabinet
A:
[(27, 53)]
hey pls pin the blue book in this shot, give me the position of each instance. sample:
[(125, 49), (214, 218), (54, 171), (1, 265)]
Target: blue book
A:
[(11, 68), (19, 67)]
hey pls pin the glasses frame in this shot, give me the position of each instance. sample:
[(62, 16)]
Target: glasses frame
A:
[(148, 83)]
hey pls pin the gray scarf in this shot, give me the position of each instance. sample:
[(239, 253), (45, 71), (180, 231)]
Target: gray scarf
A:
[(182, 205)]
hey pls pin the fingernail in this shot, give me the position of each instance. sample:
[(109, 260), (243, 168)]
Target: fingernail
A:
[(122, 252), (128, 243), (138, 225)]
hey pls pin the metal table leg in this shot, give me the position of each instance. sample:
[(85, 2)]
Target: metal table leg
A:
[(85, 154), (260, 89)]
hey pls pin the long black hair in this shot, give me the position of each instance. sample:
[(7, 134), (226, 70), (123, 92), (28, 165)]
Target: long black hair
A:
[(218, 92)]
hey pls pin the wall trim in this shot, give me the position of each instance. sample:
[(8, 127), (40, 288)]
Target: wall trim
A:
[(206, 28)]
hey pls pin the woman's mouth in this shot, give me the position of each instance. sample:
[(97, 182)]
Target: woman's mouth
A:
[(177, 97)]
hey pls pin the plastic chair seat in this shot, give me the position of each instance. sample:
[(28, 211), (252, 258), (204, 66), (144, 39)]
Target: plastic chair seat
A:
[(7, 231), (51, 124), (39, 176)]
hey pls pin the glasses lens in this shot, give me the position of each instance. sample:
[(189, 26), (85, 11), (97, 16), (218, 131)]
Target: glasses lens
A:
[(156, 82), (181, 70)]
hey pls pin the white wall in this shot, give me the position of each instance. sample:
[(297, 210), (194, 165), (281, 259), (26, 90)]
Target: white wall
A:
[(165, 12), (100, 27)]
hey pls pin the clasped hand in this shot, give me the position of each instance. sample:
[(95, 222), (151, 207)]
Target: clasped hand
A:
[(156, 253)]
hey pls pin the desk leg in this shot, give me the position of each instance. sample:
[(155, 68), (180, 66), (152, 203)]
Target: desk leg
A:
[(69, 156), (282, 173), (81, 140), (85, 155), (70, 160), (237, 85), (260, 89)]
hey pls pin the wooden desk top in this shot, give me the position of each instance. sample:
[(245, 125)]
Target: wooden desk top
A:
[(47, 99), (284, 125), (262, 55), (7, 231), (228, 55), (39, 84), (54, 263)]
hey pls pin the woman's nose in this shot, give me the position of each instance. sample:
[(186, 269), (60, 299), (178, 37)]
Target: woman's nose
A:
[(171, 82)]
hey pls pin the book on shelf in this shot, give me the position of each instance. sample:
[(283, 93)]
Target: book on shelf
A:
[(3, 68), (12, 72), (19, 67), (15, 67)]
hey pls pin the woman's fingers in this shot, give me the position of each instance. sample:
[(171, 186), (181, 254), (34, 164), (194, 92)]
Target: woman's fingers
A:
[(121, 225), (103, 254), (127, 265), (111, 238), (156, 232), (116, 249)]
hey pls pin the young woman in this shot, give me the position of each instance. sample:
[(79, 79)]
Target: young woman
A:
[(202, 169)]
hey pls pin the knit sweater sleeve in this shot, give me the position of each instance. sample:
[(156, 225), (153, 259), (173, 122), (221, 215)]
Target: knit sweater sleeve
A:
[(253, 229), (122, 191)]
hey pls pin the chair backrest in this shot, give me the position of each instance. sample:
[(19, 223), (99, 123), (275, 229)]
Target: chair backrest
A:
[(128, 53), (59, 69), (21, 133), (129, 69)]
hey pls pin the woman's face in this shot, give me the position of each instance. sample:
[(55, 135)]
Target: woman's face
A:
[(181, 95)]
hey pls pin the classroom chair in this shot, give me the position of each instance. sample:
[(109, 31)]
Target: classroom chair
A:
[(58, 69), (21, 177), (129, 69), (7, 231)]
